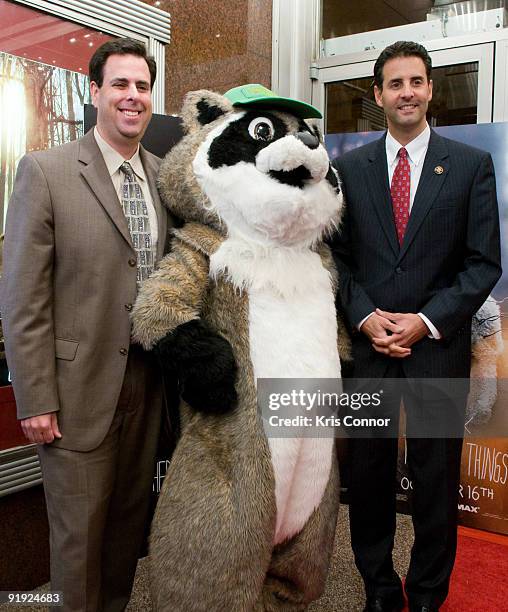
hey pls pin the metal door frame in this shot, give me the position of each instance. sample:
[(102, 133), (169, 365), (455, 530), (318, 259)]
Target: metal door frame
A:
[(481, 53), (500, 95)]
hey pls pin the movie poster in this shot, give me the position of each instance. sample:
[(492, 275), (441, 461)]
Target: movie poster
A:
[(45, 108)]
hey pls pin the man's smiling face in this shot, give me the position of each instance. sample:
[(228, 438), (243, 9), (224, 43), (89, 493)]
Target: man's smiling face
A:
[(123, 102), (405, 95)]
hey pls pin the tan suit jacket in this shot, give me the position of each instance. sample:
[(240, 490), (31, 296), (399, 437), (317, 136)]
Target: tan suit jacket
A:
[(69, 282)]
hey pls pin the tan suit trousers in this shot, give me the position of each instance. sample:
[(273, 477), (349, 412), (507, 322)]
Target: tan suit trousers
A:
[(98, 500)]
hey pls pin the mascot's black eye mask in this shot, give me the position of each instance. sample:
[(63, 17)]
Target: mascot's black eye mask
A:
[(243, 139)]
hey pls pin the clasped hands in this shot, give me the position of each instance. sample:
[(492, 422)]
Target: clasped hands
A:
[(393, 333)]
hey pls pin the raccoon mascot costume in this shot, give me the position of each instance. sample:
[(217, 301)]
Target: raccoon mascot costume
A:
[(244, 522)]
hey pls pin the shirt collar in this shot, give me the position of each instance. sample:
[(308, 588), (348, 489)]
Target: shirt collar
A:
[(114, 160), (416, 149)]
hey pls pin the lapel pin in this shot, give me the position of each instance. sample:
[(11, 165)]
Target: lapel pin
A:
[(438, 170)]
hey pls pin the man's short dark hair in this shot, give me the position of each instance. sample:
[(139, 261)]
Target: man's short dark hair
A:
[(119, 46), (402, 48)]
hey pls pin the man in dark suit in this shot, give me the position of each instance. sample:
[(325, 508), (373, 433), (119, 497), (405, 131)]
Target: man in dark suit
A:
[(83, 229), (418, 253)]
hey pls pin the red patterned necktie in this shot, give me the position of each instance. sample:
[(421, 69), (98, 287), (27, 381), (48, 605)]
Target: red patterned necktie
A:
[(400, 190)]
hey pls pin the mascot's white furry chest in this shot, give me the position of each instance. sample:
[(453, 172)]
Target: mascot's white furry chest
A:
[(293, 334)]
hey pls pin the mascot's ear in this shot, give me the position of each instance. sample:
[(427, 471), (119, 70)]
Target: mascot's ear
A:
[(202, 107)]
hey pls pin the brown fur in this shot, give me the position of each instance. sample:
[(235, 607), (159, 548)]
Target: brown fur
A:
[(211, 546), (177, 185)]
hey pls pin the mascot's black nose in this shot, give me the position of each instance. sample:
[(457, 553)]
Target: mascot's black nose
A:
[(308, 139)]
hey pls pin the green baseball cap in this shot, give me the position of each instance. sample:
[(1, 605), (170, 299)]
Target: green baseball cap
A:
[(259, 96)]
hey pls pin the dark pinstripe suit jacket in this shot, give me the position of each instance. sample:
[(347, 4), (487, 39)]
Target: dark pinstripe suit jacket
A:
[(448, 263)]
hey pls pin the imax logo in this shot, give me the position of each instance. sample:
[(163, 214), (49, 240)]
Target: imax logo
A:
[(467, 508)]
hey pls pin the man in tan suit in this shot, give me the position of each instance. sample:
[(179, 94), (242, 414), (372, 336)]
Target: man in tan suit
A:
[(83, 229)]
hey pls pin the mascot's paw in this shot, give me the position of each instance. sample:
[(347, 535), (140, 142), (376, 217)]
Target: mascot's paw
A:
[(205, 365)]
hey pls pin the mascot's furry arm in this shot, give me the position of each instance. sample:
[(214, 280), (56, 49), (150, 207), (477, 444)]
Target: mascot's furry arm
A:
[(166, 318)]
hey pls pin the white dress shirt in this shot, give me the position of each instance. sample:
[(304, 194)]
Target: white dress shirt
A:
[(416, 151), (113, 161)]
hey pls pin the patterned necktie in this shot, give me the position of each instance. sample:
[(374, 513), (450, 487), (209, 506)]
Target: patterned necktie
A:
[(400, 190), (136, 213)]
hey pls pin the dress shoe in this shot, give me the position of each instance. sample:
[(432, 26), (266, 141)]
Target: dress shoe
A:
[(384, 604)]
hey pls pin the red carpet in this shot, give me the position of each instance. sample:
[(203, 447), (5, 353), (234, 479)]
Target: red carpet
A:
[(479, 580), (480, 576)]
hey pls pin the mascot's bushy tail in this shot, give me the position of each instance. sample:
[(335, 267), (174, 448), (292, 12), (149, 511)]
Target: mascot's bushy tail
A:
[(211, 547), (486, 346)]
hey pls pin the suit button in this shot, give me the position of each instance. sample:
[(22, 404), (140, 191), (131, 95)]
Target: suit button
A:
[(128, 307), (124, 351), (399, 270), (132, 262)]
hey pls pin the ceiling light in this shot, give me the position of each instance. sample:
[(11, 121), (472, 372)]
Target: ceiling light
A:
[(90, 44), (72, 40), (86, 36)]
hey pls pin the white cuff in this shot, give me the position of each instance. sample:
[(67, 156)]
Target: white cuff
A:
[(433, 330), (359, 326)]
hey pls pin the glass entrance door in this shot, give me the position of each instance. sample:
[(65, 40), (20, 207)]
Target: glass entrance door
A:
[(463, 85)]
